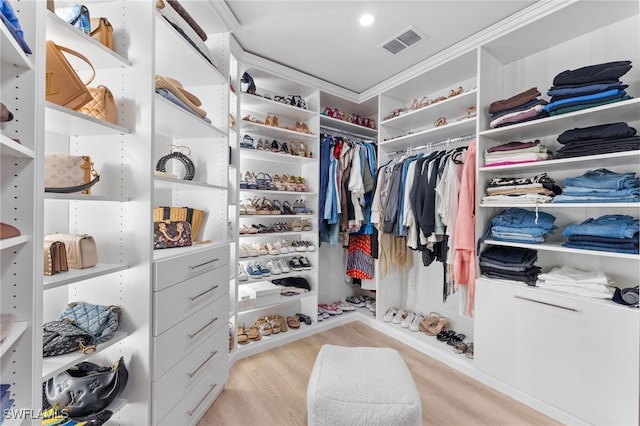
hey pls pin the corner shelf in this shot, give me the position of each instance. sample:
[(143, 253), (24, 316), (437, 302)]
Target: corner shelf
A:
[(68, 122), (325, 120)]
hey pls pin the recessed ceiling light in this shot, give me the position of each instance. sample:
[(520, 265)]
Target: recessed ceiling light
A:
[(366, 20)]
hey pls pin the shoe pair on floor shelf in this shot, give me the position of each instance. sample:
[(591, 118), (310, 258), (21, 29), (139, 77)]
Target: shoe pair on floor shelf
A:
[(264, 182), (335, 308), (299, 149), (267, 206), (349, 118), (362, 302), (258, 271), (424, 102), (273, 121), (433, 325), (303, 225), (267, 326), (275, 248)]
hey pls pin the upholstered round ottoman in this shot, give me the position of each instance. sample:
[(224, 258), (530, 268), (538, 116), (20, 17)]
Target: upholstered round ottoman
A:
[(361, 386)]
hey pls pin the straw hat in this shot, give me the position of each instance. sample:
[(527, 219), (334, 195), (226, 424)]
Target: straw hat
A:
[(186, 97)]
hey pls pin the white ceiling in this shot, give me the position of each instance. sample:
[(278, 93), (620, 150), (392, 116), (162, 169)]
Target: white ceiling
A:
[(324, 39)]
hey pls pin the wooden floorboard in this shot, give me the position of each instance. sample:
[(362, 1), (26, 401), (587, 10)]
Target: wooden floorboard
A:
[(269, 388)]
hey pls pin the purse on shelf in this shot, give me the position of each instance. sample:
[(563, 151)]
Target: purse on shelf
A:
[(63, 85), (195, 217), (102, 31), (8, 231), (100, 321), (102, 105), (55, 258), (66, 173), (168, 234), (86, 388), (62, 337), (77, 16), (80, 249)]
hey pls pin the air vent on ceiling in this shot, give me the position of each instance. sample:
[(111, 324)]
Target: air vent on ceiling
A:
[(407, 38)]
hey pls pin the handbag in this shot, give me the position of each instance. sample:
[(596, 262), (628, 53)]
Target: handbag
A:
[(102, 105), (170, 234), (80, 249), (63, 85), (195, 217), (8, 231), (66, 173), (62, 337), (55, 258), (86, 388), (78, 16), (100, 321), (102, 31)]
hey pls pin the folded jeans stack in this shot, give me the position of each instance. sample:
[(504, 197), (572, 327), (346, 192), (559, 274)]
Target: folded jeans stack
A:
[(524, 106), (535, 189), (510, 263), (601, 186), (600, 139), (516, 152), (520, 225), (613, 233), (570, 280), (587, 87)]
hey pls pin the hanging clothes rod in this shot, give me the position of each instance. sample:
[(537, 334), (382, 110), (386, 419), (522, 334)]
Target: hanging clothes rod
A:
[(430, 145), (345, 133)]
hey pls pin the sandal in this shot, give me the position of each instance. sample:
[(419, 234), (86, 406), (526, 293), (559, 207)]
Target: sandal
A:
[(432, 319), (293, 321), (275, 325), (460, 347), (440, 122), (254, 333), (436, 328), (248, 117), (469, 352), (279, 184), (286, 208), (459, 91), (264, 326), (243, 337), (304, 318), (425, 101), (250, 179)]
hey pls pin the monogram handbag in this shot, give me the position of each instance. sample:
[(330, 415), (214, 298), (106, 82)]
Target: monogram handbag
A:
[(86, 388), (66, 173), (195, 217), (102, 105), (100, 321), (77, 15), (63, 85), (62, 337), (169, 234), (55, 258), (80, 249), (102, 31)]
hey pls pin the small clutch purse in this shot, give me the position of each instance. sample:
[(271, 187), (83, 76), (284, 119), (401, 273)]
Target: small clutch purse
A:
[(168, 234), (80, 249), (102, 31), (55, 258)]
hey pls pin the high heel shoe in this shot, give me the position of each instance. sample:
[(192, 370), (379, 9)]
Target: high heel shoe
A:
[(267, 121), (274, 121), (437, 327)]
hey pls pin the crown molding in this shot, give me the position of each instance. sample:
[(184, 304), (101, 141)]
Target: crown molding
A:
[(226, 15)]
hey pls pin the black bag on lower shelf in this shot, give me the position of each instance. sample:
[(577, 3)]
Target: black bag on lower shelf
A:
[(298, 282), (62, 336)]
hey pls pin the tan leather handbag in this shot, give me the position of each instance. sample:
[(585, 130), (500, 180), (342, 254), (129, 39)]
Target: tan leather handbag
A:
[(102, 31), (63, 85), (80, 249), (102, 105)]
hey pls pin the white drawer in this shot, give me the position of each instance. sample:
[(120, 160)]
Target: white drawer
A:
[(182, 338), (177, 269), (177, 302), (195, 403), (177, 382)]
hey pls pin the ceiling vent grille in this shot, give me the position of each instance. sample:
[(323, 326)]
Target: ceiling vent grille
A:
[(407, 38)]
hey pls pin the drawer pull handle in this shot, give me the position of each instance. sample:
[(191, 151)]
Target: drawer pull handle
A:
[(546, 303), (211, 388), (203, 363), (191, 336), (204, 263), (192, 298)]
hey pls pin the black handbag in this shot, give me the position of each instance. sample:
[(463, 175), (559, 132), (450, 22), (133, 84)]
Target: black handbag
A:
[(61, 337), (86, 388)]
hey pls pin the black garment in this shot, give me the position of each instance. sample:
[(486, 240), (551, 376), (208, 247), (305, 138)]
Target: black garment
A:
[(509, 254), (593, 73), (393, 201), (602, 131), (413, 194), (530, 276), (613, 86), (428, 214), (601, 146)]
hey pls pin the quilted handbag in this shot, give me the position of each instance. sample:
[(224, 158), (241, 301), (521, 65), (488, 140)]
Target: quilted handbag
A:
[(100, 321), (61, 337), (102, 31), (78, 16), (66, 173), (170, 234), (63, 85), (195, 217), (80, 249), (102, 105), (86, 388)]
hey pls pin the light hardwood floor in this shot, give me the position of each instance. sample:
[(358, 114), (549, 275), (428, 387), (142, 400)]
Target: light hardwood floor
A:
[(269, 388)]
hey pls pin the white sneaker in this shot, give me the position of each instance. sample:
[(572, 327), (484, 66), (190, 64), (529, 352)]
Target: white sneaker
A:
[(415, 324), (402, 314), (344, 306), (283, 247), (272, 249), (391, 313), (283, 266), (273, 266), (242, 274), (405, 323)]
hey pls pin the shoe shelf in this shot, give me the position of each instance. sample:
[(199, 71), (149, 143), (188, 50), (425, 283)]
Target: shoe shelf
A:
[(17, 330), (434, 134), (68, 122), (165, 182), (628, 158), (275, 132), (271, 192), (13, 242), (557, 247), (11, 148), (84, 197), (262, 155), (348, 127), (12, 53), (176, 122), (76, 275), (275, 234), (543, 206), (57, 364), (276, 216), (283, 299), (259, 103)]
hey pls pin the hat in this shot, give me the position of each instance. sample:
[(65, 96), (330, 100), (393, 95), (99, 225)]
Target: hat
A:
[(186, 97), (626, 296)]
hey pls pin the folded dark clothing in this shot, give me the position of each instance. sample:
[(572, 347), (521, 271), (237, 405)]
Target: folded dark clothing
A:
[(610, 130), (601, 141), (573, 108), (578, 100), (597, 151), (514, 145), (600, 144), (542, 114), (514, 101), (506, 266), (606, 246), (529, 279), (516, 108), (563, 91), (601, 239), (571, 95), (516, 255), (589, 83), (592, 73), (587, 246)]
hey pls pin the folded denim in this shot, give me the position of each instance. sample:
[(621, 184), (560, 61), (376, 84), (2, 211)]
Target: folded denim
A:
[(586, 105), (585, 99), (601, 131), (635, 239), (171, 97), (534, 231), (562, 91), (518, 217), (514, 255), (514, 101), (595, 248), (517, 238), (612, 225), (606, 246), (592, 199), (603, 179), (611, 193), (593, 73)]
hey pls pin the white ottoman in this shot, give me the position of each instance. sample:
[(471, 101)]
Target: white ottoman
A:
[(361, 386)]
